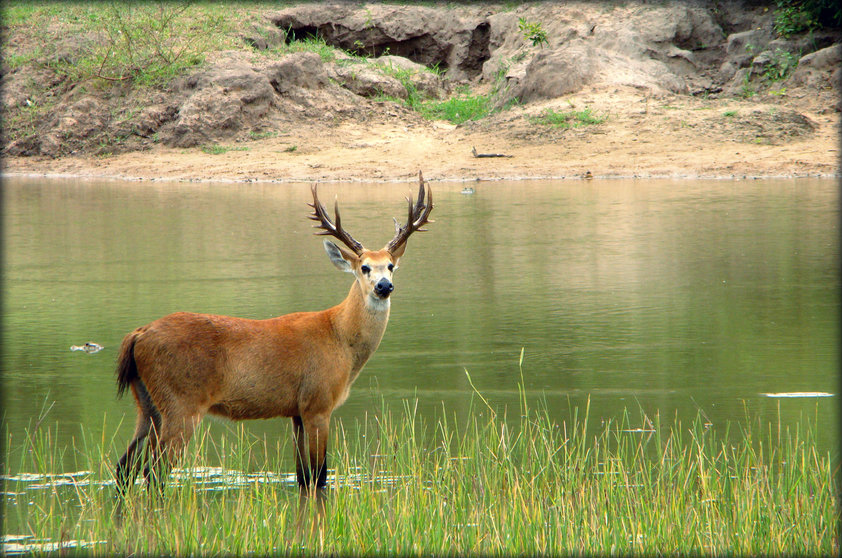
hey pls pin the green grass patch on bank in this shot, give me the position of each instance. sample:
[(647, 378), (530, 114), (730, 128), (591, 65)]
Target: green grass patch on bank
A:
[(315, 45), (501, 482), (458, 109), (216, 149), (568, 119)]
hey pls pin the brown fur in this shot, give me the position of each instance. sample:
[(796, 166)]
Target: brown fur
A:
[(298, 365)]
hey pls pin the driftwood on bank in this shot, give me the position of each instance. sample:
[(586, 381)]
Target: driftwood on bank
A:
[(474, 151)]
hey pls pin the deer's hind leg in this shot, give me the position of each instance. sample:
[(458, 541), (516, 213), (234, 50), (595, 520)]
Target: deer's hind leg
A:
[(166, 446), (148, 419)]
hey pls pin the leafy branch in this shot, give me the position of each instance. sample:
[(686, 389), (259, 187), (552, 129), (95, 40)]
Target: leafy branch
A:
[(532, 31)]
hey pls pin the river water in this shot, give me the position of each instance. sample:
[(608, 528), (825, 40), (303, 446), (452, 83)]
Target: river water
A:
[(663, 297)]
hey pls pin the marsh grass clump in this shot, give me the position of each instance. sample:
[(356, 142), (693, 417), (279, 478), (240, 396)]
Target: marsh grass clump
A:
[(497, 481)]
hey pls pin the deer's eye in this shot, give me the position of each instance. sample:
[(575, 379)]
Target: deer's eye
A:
[(391, 267), (365, 269)]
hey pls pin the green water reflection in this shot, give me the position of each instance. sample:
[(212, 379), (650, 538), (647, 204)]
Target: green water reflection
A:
[(666, 296)]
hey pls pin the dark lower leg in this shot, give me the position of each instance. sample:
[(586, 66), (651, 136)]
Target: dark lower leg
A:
[(128, 466), (320, 473), (302, 473), (317, 432), (157, 467)]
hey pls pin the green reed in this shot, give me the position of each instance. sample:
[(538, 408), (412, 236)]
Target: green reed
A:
[(499, 482)]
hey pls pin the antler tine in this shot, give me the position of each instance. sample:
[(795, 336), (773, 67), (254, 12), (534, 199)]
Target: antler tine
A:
[(329, 227), (428, 207), (417, 218)]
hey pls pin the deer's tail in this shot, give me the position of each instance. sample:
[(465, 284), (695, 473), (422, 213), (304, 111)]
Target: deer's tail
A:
[(126, 365)]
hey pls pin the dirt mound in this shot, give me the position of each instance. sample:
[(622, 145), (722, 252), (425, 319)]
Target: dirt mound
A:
[(638, 46), (236, 97)]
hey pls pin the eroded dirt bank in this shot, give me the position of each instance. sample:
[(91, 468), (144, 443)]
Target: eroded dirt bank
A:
[(684, 91), (665, 137)]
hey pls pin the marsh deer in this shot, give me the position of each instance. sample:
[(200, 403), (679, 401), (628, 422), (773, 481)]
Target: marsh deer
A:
[(185, 365)]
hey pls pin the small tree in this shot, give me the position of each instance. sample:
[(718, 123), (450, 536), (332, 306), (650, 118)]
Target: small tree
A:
[(532, 31)]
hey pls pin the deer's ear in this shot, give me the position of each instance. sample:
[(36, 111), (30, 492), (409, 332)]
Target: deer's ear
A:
[(341, 258), (398, 252)]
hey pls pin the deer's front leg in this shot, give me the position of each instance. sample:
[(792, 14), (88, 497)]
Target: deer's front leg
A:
[(316, 428), (302, 472)]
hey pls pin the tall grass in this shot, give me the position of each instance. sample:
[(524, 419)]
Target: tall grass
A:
[(494, 484)]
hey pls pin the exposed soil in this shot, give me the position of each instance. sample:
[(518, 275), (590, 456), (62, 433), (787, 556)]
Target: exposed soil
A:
[(643, 137), (676, 115)]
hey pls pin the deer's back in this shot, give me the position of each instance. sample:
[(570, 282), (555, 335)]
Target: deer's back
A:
[(236, 367)]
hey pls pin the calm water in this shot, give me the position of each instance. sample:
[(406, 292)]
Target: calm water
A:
[(666, 296)]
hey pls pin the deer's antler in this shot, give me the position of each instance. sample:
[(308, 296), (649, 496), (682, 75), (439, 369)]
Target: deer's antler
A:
[(417, 218), (331, 229)]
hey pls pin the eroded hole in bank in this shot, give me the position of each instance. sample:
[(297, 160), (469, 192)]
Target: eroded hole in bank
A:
[(422, 48)]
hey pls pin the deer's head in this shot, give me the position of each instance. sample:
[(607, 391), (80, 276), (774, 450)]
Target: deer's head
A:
[(372, 269)]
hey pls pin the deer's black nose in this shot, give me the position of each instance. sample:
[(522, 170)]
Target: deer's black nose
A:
[(383, 288)]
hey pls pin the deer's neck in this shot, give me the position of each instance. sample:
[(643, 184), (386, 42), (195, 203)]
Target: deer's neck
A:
[(360, 322)]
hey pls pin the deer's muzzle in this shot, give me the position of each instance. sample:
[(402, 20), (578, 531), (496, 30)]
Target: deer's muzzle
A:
[(384, 288)]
